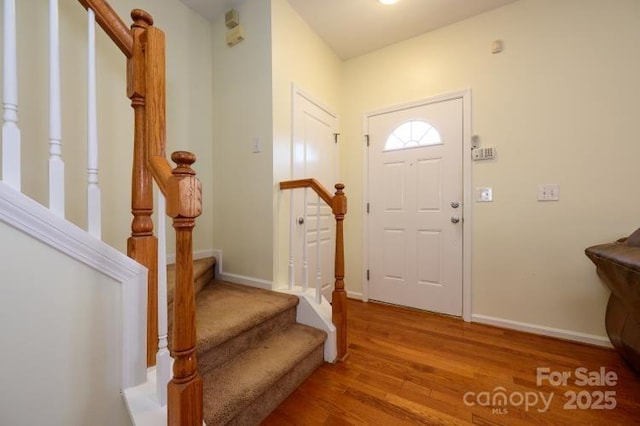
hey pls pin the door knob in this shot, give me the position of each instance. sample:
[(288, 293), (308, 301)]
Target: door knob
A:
[(300, 220), (455, 204), (455, 219)]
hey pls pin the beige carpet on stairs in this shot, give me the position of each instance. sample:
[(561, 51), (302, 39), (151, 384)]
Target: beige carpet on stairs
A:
[(251, 352)]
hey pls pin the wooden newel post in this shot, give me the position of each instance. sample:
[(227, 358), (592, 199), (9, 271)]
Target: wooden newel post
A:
[(184, 204), (339, 295), (142, 245)]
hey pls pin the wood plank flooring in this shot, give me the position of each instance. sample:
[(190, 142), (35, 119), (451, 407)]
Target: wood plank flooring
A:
[(407, 367)]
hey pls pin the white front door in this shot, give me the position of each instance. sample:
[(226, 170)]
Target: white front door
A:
[(315, 155), (415, 196)]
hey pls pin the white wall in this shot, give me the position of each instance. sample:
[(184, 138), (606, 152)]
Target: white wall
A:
[(560, 105), (189, 108), (61, 338), (242, 111), (300, 57)]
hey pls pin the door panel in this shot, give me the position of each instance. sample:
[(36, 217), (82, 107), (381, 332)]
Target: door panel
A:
[(429, 177), (415, 173)]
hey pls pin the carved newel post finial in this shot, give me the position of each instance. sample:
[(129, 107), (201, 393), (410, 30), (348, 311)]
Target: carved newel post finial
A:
[(141, 18), (184, 192), (183, 160)]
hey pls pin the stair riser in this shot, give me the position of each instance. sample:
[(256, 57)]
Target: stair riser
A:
[(210, 358), (262, 406), (202, 277)]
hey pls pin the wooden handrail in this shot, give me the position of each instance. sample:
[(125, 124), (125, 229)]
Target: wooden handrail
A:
[(338, 204), (111, 23), (309, 183)]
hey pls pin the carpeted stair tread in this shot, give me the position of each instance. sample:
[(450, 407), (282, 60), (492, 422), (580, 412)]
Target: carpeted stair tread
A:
[(225, 310), (281, 361)]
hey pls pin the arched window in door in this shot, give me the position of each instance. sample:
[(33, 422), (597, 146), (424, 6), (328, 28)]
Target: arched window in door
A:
[(412, 134)]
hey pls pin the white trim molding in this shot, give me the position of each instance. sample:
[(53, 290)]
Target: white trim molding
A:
[(354, 295), (237, 278), (591, 339), (30, 217)]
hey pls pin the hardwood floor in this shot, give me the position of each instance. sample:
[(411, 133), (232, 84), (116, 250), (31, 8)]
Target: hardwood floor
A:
[(407, 367)]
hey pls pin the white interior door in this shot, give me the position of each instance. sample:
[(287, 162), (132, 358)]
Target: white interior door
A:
[(415, 196), (315, 155)]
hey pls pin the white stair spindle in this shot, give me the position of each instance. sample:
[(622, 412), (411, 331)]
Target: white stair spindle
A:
[(291, 234), (318, 255), (305, 260), (93, 190), (11, 170), (56, 165), (163, 359)]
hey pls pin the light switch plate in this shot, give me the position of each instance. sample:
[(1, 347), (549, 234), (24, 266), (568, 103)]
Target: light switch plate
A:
[(257, 146), (484, 195), (549, 192)]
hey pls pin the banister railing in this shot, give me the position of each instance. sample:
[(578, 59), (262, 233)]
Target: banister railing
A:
[(146, 89), (111, 23), (338, 204)]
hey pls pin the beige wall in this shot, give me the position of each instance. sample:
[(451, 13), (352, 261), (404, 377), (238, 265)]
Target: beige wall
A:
[(559, 104), (61, 361), (300, 57), (242, 180), (189, 108)]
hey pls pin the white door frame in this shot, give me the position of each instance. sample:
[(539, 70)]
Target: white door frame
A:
[(467, 216)]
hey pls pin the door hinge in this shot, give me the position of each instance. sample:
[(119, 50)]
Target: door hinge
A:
[(366, 138), (367, 275), (335, 137), (368, 207)]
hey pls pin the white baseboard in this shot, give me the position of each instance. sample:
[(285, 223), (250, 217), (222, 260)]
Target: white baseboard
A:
[(574, 336), (199, 254), (354, 295), (237, 278), (244, 280)]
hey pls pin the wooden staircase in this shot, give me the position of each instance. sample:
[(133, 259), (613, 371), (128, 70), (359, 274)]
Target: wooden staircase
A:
[(251, 352)]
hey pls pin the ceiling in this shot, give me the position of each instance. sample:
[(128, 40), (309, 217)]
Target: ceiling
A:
[(355, 27)]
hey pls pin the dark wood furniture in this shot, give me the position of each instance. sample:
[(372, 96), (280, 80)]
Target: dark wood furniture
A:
[(618, 264)]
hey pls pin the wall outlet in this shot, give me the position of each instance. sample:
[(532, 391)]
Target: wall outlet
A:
[(549, 192)]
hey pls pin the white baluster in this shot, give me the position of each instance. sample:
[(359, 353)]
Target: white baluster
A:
[(318, 255), (10, 130), (305, 260), (291, 232), (56, 165), (163, 359), (93, 190)]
